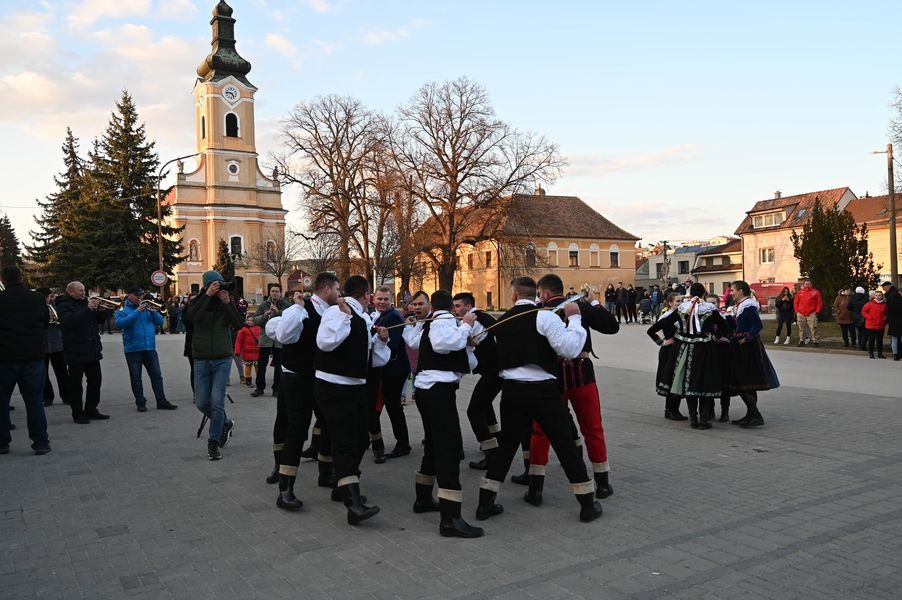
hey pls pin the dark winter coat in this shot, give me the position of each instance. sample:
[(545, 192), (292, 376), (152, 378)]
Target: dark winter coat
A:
[(841, 308), (894, 312), (23, 321), (81, 339), (213, 321), (856, 303), (610, 295)]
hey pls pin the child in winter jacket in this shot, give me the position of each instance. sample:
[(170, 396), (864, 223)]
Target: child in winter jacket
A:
[(874, 313), (247, 345)]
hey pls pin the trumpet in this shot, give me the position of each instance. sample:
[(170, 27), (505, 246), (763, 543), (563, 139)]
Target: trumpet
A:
[(106, 303), (54, 317), (148, 304)]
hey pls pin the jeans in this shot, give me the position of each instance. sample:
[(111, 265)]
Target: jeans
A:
[(655, 311), (784, 319), (30, 375), (150, 361), (210, 378), (611, 306), (894, 344)]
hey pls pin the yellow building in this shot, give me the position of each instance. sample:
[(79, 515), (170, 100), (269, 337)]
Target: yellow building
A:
[(541, 234), (874, 212), (226, 197)]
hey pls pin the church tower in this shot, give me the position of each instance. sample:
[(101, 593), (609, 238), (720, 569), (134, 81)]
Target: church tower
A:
[(226, 197)]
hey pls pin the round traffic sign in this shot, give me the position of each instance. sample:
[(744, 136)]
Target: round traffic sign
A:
[(159, 278)]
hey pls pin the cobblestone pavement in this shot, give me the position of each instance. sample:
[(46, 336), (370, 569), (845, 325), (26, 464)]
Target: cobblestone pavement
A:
[(805, 507)]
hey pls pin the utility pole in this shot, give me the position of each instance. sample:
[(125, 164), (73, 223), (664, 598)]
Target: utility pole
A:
[(893, 252), (664, 267)]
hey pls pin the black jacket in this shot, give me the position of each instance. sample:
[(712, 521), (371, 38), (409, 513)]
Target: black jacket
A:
[(397, 364), (894, 312), (23, 323), (610, 295), (856, 303), (81, 339)]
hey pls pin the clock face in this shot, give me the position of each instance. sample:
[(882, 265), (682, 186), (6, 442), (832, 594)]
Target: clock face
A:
[(230, 93)]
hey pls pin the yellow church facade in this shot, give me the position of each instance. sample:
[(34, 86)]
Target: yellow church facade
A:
[(226, 197)]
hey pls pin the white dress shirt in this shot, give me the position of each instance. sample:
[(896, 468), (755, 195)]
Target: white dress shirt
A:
[(446, 336), (335, 329), (287, 327), (567, 340)]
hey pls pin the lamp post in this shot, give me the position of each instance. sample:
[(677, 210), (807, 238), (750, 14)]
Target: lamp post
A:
[(891, 183), (160, 212)]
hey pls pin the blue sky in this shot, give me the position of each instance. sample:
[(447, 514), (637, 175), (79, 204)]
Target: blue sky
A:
[(675, 117)]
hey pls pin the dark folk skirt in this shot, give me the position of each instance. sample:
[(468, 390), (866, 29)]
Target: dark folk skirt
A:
[(696, 370), (750, 368)]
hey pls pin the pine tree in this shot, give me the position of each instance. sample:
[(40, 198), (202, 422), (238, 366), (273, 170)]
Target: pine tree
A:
[(833, 251), (10, 254), (224, 263), (48, 253)]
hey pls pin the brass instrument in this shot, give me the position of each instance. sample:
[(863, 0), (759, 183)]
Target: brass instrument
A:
[(2, 287), (106, 303), (149, 304), (54, 317)]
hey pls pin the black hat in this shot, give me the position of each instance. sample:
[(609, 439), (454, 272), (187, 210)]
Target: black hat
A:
[(136, 290), (887, 283)]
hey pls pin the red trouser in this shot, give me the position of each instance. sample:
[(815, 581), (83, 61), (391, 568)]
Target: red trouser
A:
[(587, 407)]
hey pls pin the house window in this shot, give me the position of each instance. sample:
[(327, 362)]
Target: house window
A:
[(530, 255), (593, 256), (552, 255), (235, 246), (460, 262), (615, 257), (193, 251), (573, 254), (659, 270), (488, 259), (488, 300), (683, 267), (768, 220), (270, 250), (470, 261), (766, 255), (726, 260), (231, 123)]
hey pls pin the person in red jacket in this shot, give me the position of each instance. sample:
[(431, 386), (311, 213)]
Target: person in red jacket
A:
[(808, 304), (247, 345), (874, 313)]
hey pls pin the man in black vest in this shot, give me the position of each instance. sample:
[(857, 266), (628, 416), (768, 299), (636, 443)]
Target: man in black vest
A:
[(344, 342), (443, 360), (384, 384), (480, 412), (529, 343), (296, 330)]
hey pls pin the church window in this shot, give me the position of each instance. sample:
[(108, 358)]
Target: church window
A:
[(233, 168), (235, 246), (270, 250), (231, 123), (193, 251)]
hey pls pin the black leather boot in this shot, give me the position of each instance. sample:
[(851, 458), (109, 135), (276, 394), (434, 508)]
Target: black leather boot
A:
[(357, 510), (487, 507), (337, 496), (378, 451), (313, 449), (523, 478), (274, 476), (705, 414), (287, 499), (325, 474), (724, 409), (756, 420), (425, 502), (603, 487), (693, 420), (590, 508), (452, 525), (534, 494), (744, 419)]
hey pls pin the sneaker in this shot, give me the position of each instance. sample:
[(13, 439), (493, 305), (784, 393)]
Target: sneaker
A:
[(256, 393), (166, 405), (777, 340), (213, 452), (142, 408), (786, 341), (226, 433), (40, 450), (97, 416)]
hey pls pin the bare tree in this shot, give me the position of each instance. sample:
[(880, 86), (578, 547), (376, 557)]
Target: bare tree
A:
[(276, 253), (462, 157), (320, 252)]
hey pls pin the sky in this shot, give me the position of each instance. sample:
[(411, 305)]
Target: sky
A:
[(674, 117)]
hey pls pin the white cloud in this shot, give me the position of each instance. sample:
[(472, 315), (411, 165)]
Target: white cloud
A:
[(325, 47), (320, 6), (598, 165), (91, 11), (176, 9), (283, 46), (26, 40), (375, 38)]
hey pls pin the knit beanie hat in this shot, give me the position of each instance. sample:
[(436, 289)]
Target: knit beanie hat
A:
[(211, 276)]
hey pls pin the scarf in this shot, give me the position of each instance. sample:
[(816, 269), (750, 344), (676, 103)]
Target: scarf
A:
[(746, 302), (693, 309)]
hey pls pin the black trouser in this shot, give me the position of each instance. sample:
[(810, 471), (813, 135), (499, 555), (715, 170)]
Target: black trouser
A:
[(480, 412), (344, 409), (621, 311), (523, 402), (391, 387), (58, 361), (294, 410), (91, 372), (276, 366), (631, 311), (849, 333), (875, 338), (784, 319), (862, 337), (444, 444), (700, 406)]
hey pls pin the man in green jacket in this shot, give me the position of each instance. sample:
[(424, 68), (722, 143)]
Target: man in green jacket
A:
[(271, 307), (213, 315)]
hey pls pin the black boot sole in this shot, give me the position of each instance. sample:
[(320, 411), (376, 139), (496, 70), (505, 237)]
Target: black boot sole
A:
[(484, 513), (291, 506), (602, 493), (273, 477), (354, 518), (461, 530)]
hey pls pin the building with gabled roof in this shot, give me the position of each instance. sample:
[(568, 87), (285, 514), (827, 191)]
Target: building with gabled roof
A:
[(873, 211), (716, 267)]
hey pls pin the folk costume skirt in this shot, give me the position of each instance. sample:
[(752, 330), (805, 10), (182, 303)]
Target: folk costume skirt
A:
[(697, 371), (750, 368), (666, 364)]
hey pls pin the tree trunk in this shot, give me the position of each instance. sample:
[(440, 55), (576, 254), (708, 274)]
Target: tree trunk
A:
[(446, 275), (344, 260)]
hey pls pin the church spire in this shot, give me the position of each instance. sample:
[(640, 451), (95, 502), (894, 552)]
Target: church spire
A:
[(224, 60)]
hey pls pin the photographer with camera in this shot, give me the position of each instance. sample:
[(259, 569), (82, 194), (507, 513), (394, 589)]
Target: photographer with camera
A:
[(213, 315)]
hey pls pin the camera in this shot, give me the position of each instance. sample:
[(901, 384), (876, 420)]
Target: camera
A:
[(227, 285)]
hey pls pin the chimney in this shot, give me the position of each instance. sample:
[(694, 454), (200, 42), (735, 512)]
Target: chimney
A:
[(778, 194), (539, 190)]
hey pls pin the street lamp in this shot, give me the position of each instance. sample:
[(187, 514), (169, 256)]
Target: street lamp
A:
[(160, 212), (893, 257)]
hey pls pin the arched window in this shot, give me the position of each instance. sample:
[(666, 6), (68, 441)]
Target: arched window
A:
[(573, 255), (236, 246), (231, 123), (552, 254), (615, 257), (193, 251), (270, 250), (593, 256), (203, 127)]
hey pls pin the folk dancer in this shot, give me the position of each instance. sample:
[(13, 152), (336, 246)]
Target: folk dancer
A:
[(529, 343), (664, 374), (443, 361)]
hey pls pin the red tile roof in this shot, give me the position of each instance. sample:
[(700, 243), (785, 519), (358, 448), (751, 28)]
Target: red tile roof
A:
[(797, 208), (874, 210), (734, 245)]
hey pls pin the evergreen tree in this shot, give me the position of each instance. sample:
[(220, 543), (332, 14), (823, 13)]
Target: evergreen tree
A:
[(833, 252), (10, 254), (48, 252), (224, 263)]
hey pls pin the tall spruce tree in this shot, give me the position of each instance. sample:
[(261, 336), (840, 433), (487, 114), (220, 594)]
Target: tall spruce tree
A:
[(10, 253), (54, 265), (224, 263), (833, 251)]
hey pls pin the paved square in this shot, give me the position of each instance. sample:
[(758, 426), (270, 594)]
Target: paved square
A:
[(806, 507)]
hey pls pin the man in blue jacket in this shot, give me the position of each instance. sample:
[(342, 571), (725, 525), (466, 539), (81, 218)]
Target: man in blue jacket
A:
[(139, 339)]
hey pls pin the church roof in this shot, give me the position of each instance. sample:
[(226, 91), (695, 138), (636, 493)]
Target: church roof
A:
[(224, 61)]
